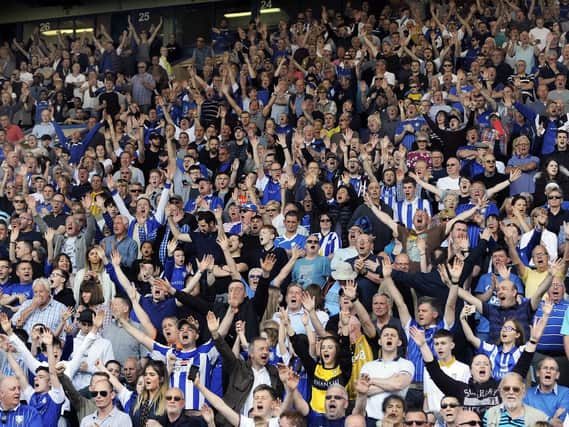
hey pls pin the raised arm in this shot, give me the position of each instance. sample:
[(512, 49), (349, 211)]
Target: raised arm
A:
[(402, 309), (382, 216), (467, 310), (217, 402), (137, 334), (156, 31)]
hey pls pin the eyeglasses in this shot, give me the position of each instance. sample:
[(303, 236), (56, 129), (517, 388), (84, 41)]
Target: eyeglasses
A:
[(554, 197), (509, 328), (451, 164), (447, 65), (102, 393), (335, 397), (514, 389), (490, 161), (414, 422), (446, 218), (449, 405), (421, 140), (325, 220), (312, 241), (471, 423), (57, 275), (254, 276), (18, 201), (174, 398)]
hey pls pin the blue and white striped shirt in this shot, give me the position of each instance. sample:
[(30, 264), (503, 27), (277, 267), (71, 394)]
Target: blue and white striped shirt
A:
[(204, 357)]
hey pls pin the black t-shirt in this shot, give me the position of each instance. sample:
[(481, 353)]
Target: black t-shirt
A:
[(112, 102)]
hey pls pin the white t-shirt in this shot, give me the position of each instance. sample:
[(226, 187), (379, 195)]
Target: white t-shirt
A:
[(384, 369), (456, 370), (250, 422), (79, 78)]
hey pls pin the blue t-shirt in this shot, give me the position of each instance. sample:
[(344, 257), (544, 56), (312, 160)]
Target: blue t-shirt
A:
[(306, 272)]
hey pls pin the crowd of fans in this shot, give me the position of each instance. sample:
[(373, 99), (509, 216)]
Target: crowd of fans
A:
[(354, 218)]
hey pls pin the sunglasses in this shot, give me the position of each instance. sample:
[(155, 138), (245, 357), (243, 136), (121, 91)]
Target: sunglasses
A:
[(135, 191), (335, 397), (514, 389), (325, 220), (174, 398), (18, 201), (554, 197), (271, 210), (102, 393), (449, 405), (255, 276)]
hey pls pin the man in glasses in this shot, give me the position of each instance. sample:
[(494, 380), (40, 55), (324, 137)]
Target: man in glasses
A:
[(450, 407), (415, 417), (103, 395), (512, 410), (548, 396), (556, 215), (466, 418), (175, 404)]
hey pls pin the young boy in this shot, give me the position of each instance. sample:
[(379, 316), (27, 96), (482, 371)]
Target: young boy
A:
[(444, 344)]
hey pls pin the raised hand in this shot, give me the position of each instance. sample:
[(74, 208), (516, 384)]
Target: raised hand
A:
[(417, 335), (223, 243), (212, 323), (455, 269), (171, 247), (386, 267), (350, 289), (308, 301), (6, 324), (206, 263), (467, 310), (268, 263), (362, 384), (503, 271), (115, 258)]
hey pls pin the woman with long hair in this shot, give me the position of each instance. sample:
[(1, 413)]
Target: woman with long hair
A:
[(151, 403), (551, 172), (95, 267)]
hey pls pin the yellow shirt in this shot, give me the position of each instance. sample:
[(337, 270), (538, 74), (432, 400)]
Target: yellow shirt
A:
[(532, 279), (361, 355), (323, 378)]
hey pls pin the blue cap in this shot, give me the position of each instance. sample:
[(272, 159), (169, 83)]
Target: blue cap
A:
[(249, 207), (363, 223)]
